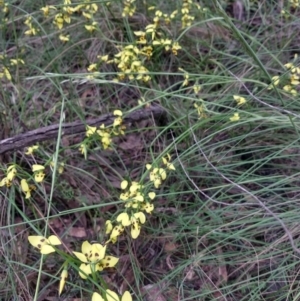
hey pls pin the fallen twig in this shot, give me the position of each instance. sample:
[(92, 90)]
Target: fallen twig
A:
[(76, 127)]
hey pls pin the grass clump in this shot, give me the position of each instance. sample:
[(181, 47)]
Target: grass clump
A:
[(198, 202)]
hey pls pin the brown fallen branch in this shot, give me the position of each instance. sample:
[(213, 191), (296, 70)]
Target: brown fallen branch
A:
[(76, 127)]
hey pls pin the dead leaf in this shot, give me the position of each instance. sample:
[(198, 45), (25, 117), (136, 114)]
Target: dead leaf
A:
[(132, 142), (169, 263), (170, 247), (153, 293), (56, 223), (78, 232), (223, 275), (190, 274), (127, 272)]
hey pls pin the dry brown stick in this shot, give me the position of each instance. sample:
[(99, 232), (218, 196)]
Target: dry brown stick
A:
[(76, 127)]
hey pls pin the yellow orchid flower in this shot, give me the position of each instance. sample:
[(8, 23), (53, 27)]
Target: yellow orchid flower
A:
[(235, 117), (92, 67), (64, 38), (83, 150), (60, 167), (118, 120), (31, 149), (39, 174), (166, 161), (148, 207), (116, 231), (45, 245), (59, 20), (239, 99), (5, 182), (25, 188), (7, 74), (91, 253), (46, 9), (11, 172), (91, 27), (93, 259), (90, 130), (136, 220)]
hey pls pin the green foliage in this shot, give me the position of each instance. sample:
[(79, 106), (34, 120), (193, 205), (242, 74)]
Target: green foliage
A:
[(200, 204)]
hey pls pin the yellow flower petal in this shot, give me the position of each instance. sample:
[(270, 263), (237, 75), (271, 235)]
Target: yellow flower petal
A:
[(275, 81), (235, 117), (37, 167), (80, 256), (118, 113), (90, 130), (47, 249), (87, 15), (43, 244), (124, 184), (98, 252), (84, 269), (126, 296), (117, 230), (86, 247), (108, 226), (111, 296), (83, 150), (24, 186), (139, 33), (11, 172), (97, 297), (37, 240), (151, 195), (135, 230), (141, 216), (162, 173), (118, 121), (31, 149), (61, 168), (124, 219), (92, 67), (4, 181), (139, 198), (39, 177), (90, 28), (104, 58), (171, 166), (239, 99), (107, 262), (157, 183), (124, 196), (148, 207), (106, 141), (62, 282), (54, 240), (135, 186), (64, 38)]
